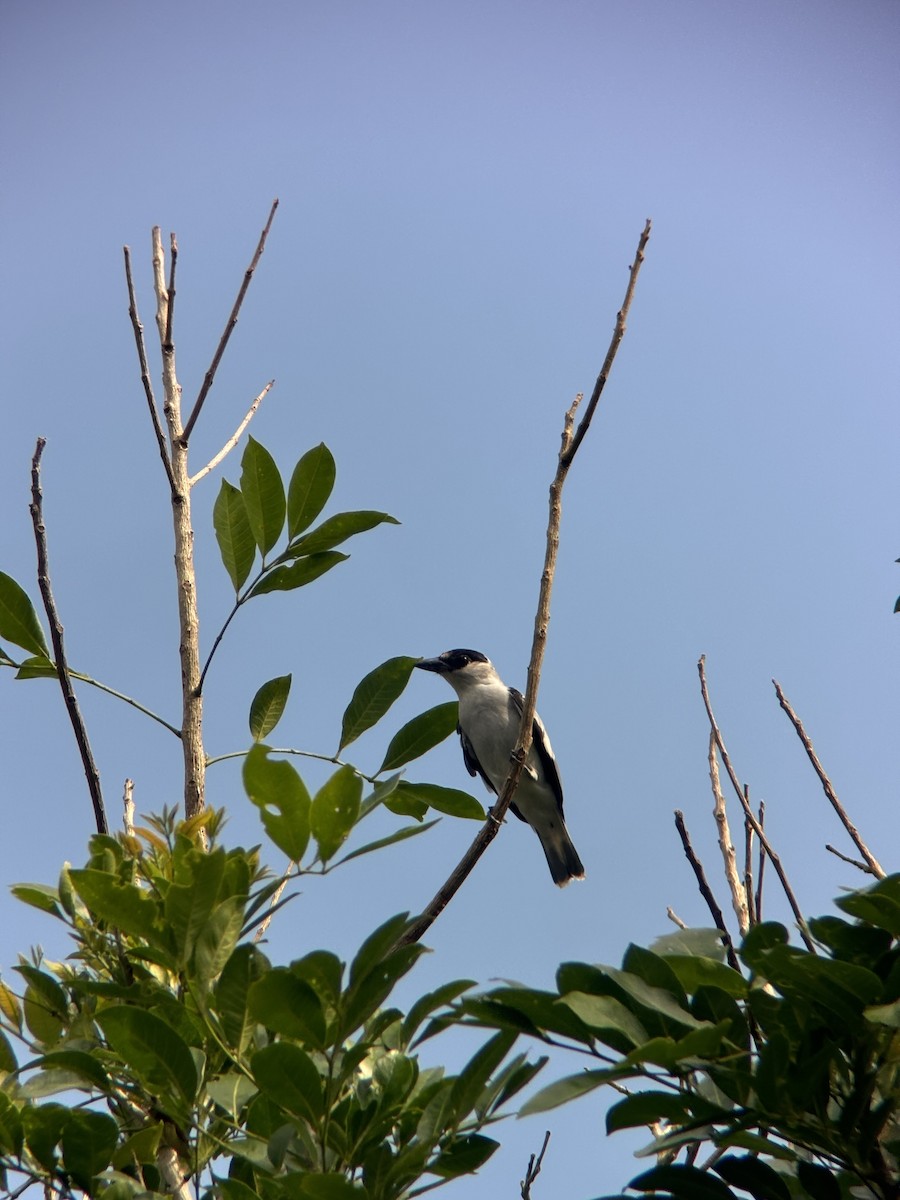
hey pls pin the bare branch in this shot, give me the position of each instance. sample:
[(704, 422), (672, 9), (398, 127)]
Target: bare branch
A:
[(618, 334), (236, 436), (567, 451), (748, 811), (706, 890), (761, 867), (726, 845), (170, 291), (854, 862), (534, 1168), (675, 919), (128, 805), (875, 867), (56, 635), (229, 327), (145, 370), (748, 865), (264, 924)]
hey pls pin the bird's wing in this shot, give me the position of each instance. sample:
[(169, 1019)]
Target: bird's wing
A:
[(541, 744), (473, 766)]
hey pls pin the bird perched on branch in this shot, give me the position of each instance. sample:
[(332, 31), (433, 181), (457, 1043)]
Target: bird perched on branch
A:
[(489, 718)]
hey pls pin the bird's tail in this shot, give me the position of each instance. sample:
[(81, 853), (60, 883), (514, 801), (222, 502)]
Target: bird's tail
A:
[(562, 857)]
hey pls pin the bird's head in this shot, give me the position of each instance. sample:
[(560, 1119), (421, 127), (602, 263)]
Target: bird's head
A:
[(461, 668)]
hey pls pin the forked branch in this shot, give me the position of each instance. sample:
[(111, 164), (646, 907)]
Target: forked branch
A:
[(571, 440)]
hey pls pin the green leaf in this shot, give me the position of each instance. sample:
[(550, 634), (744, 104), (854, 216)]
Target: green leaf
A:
[(39, 895), (44, 1124), (263, 494), (11, 1132), (707, 943), (45, 1005), (151, 1048), (565, 1090), (123, 905), (189, 905), (401, 835), (473, 1078), (288, 1077), (88, 1141), (605, 1015), (695, 972), (8, 1064), (246, 965), (644, 1108), (141, 1147), (37, 667), (373, 696), (10, 1007), (289, 1006), (311, 484), (683, 1182), (233, 533), (421, 734), (446, 800), (268, 706), (79, 1062), (282, 799), (752, 1175), (337, 529), (818, 1181), (298, 574), (463, 1156), (334, 811), (329, 1186), (18, 620), (425, 1005)]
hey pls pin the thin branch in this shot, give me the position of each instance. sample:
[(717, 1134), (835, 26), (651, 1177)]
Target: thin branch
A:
[(236, 436), (618, 334), (726, 845), (875, 867), (273, 904), (761, 866), (56, 634), (110, 691), (675, 919), (145, 370), (229, 327), (706, 890), (534, 1168), (854, 862), (128, 806), (568, 447), (170, 291), (748, 812), (752, 918)]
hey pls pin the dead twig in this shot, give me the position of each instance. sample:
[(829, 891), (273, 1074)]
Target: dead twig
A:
[(706, 890), (56, 636), (235, 437), (748, 811), (854, 862), (761, 867), (748, 866), (534, 1168), (570, 442), (145, 370), (229, 327), (726, 845), (874, 866), (675, 919)]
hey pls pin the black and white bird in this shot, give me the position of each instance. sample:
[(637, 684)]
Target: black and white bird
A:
[(489, 718)]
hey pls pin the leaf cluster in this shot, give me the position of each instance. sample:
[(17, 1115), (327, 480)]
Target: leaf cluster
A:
[(788, 1076), (174, 1029)]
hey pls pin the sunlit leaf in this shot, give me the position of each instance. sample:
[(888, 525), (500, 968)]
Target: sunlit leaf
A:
[(268, 705), (374, 695), (420, 734), (565, 1090), (18, 620), (37, 667), (282, 799), (337, 529), (288, 1005), (39, 895), (289, 1077), (233, 533), (158, 1055), (334, 811), (298, 574), (442, 799), (311, 484), (123, 905), (263, 494)]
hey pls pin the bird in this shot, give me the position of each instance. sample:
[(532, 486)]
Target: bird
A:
[(489, 718)]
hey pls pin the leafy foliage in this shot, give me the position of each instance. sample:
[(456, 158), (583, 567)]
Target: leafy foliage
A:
[(789, 1078), (277, 1081)]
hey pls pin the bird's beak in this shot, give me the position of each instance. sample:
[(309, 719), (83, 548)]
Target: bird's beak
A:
[(432, 664)]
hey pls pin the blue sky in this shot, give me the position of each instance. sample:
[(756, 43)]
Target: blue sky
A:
[(462, 188)]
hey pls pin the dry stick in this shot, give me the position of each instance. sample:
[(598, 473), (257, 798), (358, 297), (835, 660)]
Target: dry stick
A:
[(189, 640), (726, 845), (748, 812), (705, 890), (491, 827), (56, 636), (762, 864), (854, 862), (229, 327), (145, 370), (534, 1169), (236, 436), (875, 867), (748, 864), (675, 919)]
